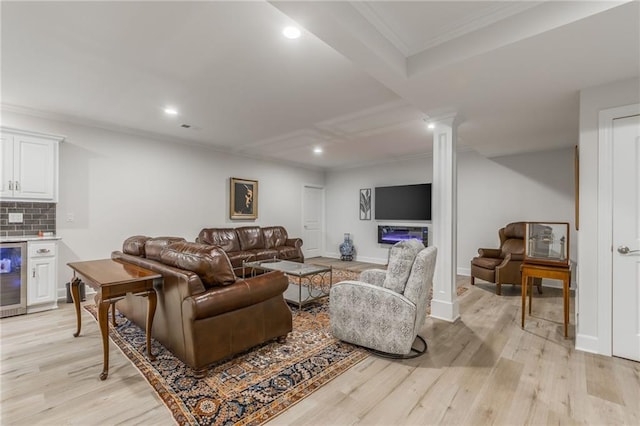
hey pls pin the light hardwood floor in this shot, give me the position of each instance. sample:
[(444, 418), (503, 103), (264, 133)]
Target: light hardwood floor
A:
[(482, 369)]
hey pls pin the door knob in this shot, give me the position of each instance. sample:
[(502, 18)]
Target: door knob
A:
[(625, 250)]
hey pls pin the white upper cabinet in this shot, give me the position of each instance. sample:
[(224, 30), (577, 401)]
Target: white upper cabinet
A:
[(29, 165)]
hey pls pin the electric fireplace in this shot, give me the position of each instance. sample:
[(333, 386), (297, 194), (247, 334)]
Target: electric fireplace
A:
[(390, 234)]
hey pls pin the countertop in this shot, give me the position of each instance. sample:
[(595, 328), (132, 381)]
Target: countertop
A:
[(22, 238)]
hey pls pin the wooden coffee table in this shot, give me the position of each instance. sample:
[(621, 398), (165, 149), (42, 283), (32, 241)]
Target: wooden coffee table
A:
[(112, 280)]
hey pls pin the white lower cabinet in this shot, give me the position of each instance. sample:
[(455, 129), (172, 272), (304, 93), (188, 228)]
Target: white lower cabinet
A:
[(42, 276)]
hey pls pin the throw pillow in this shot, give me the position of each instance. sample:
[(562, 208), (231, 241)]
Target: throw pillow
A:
[(135, 245), (154, 246), (210, 262)]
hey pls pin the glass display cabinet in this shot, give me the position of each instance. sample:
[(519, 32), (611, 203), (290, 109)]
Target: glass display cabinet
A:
[(547, 243)]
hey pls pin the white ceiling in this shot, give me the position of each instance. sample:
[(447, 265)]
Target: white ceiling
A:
[(358, 83)]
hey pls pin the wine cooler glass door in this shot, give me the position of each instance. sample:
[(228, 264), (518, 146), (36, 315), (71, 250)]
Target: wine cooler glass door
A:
[(13, 279)]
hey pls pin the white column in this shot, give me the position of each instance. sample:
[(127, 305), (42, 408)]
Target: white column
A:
[(444, 304)]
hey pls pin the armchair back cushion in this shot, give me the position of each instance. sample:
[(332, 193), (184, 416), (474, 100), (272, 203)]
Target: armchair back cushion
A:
[(209, 262), (401, 257), (419, 283)]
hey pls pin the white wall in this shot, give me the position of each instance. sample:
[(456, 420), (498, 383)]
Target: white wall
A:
[(590, 332), (343, 204), (117, 185), (491, 193)]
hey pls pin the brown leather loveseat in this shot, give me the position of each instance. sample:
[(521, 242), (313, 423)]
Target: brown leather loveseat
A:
[(251, 243), (204, 312)]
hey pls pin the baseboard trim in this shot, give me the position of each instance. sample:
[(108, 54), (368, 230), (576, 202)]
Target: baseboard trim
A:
[(587, 343), (447, 311)]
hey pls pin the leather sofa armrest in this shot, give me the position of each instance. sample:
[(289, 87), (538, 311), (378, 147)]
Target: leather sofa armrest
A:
[(293, 242), (242, 293), (488, 252)]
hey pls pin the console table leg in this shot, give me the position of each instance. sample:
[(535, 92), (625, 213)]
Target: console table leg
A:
[(103, 321), (565, 301), (524, 295), (152, 301), (75, 295)]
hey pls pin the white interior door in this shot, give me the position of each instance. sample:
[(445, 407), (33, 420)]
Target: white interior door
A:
[(313, 224), (626, 238)]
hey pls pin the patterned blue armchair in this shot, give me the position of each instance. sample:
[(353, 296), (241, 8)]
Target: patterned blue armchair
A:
[(385, 310)]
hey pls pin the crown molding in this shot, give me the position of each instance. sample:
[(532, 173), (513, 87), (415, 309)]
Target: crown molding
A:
[(471, 23)]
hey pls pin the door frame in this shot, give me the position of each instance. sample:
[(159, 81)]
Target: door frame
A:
[(605, 222), (322, 214)]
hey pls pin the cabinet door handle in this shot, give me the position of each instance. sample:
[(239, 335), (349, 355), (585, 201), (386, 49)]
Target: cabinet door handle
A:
[(10, 185), (17, 186), (43, 250), (34, 272)]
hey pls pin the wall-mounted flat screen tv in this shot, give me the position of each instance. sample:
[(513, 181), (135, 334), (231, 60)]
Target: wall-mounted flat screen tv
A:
[(403, 202)]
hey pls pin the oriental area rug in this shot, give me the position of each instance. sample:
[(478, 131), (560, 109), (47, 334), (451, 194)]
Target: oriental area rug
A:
[(254, 386)]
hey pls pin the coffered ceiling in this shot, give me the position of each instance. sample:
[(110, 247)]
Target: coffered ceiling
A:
[(358, 83)]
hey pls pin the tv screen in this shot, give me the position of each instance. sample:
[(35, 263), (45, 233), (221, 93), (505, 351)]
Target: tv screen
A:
[(403, 202)]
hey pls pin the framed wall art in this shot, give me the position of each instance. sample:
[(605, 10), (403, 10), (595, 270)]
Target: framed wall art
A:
[(365, 204), (244, 199)]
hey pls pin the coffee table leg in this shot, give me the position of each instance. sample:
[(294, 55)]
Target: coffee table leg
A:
[(103, 322), (152, 301), (75, 295)]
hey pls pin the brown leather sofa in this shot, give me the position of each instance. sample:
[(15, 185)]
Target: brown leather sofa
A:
[(204, 312), (251, 243)]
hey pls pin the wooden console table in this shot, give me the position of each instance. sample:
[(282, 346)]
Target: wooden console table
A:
[(112, 280), (551, 272)]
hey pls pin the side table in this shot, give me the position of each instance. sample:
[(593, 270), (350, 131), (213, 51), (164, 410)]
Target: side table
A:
[(562, 273), (112, 280)]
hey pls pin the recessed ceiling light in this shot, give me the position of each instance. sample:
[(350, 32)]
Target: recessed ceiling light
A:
[(291, 32), (317, 150), (170, 111), (431, 126)]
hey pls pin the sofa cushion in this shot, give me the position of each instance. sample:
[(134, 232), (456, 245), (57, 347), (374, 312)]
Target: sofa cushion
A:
[(135, 245), (223, 237), (401, 260), (237, 257), (264, 254), (287, 252), (153, 246), (486, 262), (274, 236), (210, 262), (250, 237)]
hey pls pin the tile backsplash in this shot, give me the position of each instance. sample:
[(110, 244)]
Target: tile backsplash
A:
[(36, 217)]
